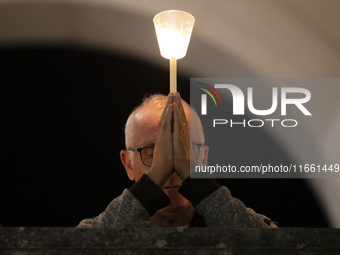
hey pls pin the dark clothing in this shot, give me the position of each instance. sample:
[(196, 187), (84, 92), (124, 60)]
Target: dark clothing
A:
[(214, 206)]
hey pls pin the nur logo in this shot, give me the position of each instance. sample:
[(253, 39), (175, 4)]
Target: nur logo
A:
[(239, 99), (204, 97)]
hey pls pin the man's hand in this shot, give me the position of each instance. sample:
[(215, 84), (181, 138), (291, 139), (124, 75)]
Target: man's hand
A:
[(172, 147), (162, 167), (181, 140)]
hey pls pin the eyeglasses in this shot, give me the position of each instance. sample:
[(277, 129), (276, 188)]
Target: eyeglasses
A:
[(146, 153)]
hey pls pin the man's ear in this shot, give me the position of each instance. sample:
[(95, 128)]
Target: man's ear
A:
[(126, 160), (205, 149)]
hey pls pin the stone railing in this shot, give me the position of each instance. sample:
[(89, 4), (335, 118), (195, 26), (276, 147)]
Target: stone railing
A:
[(65, 241)]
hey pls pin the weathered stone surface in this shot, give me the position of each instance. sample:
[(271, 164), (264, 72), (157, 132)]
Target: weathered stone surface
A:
[(65, 241)]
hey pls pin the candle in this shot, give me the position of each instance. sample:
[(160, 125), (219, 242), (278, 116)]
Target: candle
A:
[(173, 31), (173, 75)]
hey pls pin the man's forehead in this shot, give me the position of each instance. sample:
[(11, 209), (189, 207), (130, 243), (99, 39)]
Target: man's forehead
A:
[(146, 127), (145, 130), (147, 120)]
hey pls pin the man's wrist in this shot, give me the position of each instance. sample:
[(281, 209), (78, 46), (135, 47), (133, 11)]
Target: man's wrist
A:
[(195, 190), (157, 176), (151, 197)]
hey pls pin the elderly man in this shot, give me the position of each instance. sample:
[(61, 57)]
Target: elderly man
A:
[(158, 158)]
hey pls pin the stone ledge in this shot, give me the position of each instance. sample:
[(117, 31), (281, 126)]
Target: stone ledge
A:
[(168, 241)]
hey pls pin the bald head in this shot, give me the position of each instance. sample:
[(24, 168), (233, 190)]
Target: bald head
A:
[(150, 110)]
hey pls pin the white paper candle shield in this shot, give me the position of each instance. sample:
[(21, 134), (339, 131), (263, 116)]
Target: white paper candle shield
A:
[(173, 30)]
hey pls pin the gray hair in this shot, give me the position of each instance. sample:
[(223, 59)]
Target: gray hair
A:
[(150, 109)]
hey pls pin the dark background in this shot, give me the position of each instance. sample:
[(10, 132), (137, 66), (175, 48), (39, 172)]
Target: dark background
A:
[(62, 118)]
